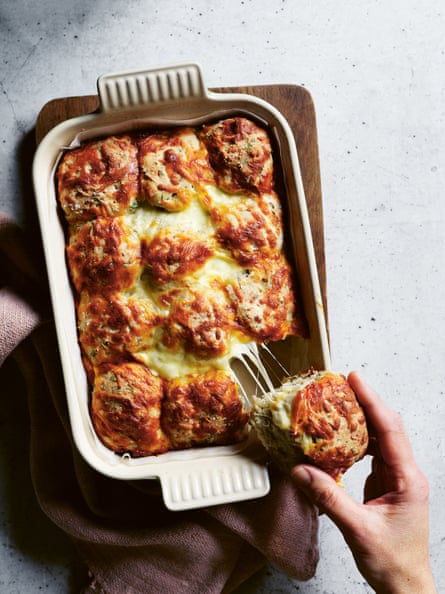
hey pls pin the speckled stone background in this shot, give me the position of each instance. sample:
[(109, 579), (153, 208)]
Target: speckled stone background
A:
[(376, 71)]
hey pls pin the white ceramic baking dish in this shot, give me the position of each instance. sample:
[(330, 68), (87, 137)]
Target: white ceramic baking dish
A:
[(166, 97)]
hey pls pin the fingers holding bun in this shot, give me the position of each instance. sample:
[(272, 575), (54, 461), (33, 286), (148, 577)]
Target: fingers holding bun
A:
[(313, 417)]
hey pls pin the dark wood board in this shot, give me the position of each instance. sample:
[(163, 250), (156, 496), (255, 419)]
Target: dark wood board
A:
[(296, 105)]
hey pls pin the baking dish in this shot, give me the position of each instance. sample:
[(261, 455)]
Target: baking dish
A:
[(172, 96)]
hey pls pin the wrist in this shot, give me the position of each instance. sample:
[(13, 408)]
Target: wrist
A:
[(420, 583)]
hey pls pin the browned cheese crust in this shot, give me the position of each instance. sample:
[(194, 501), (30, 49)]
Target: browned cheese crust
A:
[(264, 303), (175, 252), (115, 328), (172, 164), (103, 256), (98, 179), (172, 256), (198, 321), (126, 409), (203, 410), (249, 228), (241, 154)]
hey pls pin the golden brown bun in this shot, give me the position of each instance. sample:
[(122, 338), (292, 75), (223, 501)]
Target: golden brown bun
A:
[(313, 417), (203, 410), (126, 409), (98, 179)]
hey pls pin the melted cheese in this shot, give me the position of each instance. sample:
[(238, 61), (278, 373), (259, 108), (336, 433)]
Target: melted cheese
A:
[(283, 398), (148, 221), (218, 197), (170, 365), (218, 270)]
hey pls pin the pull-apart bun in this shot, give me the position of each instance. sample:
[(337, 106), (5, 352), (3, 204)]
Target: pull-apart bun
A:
[(312, 417)]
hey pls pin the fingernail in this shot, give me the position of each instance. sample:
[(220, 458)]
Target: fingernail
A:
[(302, 476)]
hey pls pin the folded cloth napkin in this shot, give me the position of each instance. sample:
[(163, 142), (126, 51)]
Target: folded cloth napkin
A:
[(129, 541)]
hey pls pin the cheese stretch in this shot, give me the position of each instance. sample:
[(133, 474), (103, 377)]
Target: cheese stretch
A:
[(175, 252)]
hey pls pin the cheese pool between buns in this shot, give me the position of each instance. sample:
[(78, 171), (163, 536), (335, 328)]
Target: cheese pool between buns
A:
[(313, 417)]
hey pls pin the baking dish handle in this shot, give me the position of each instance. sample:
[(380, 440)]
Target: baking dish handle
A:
[(213, 482), (133, 90)]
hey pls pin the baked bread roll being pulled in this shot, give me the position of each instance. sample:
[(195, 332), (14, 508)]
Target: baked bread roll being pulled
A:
[(313, 417)]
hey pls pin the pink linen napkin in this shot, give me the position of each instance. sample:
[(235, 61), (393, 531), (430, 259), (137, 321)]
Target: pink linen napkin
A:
[(128, 539)]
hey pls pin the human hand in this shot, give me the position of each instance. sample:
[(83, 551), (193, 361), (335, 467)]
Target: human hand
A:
[(388, 533)]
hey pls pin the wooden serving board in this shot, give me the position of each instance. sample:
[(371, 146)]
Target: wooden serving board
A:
[(296, 105)]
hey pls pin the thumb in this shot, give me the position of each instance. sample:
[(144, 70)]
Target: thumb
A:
[(322, 490)]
